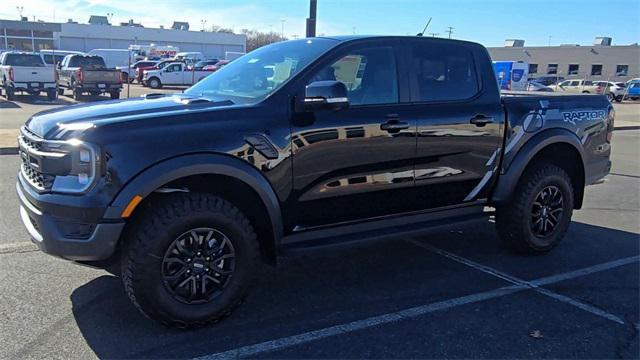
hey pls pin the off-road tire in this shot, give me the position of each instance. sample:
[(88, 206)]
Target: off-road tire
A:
[(115, 95), (60, 91), (514, 219), (155, 229)]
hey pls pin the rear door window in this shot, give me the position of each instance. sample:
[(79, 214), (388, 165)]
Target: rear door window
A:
[(442, 72)]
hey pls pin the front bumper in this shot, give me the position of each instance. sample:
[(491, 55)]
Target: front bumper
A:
[(56, 234)]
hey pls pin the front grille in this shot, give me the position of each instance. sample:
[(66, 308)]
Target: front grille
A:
[(30, 144)]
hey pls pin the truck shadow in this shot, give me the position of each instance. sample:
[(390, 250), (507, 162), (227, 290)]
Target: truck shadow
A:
[(6, 104), (325, 288)]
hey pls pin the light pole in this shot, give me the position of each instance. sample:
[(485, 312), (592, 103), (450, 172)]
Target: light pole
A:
[(203, 22), (282, 30), (550, 36), (110, 16), (450, 31), (20, 10), (434, 34)]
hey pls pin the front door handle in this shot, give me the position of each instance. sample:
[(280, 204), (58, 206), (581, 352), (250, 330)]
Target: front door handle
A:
[(481, 120), (394, 126)]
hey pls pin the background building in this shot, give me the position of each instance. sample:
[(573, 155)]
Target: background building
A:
[(29, 36), (600, 61)]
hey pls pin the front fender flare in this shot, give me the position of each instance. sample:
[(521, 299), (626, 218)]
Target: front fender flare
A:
[(178, 167), (508, 179)]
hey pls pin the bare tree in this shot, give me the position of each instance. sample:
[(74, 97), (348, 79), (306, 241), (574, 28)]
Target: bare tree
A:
[(256, 39)]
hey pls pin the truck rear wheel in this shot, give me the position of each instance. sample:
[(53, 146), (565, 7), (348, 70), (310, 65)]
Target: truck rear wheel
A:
[(52, 95), (115, 94), (539, 213), (60, 91), (10, 93), (76, 94), (190, 259)]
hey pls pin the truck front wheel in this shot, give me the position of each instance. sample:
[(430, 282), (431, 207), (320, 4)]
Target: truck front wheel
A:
[(154, 83), (539, 213), (189, 260), (115, 94)]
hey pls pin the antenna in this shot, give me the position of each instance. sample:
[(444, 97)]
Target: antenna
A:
[(425, 27)]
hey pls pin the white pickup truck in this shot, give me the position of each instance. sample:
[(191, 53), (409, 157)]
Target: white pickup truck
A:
[(26, 72), (173, 74)]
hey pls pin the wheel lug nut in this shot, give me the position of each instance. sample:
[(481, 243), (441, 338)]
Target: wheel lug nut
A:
[(197, 276), (207, 258), (188, 271), (188, 260), (198, 253)]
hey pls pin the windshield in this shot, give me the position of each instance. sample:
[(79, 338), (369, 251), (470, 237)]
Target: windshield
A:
[(254, 76)]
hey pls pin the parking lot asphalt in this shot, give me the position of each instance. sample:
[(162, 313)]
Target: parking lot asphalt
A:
[(452, 294)]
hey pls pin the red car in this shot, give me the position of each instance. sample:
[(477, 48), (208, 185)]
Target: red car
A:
[(217, 66)]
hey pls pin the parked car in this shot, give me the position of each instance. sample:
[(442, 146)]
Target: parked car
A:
[(536, 86), (115, 57), (173, 74), (88, 74), (160, 65), (185, 195), (548, 79), (201, 64), (610, 89), (189, 58), (576, 86), (26, 72), (216, 66), (54, 57), (633, 89), (129, 72)]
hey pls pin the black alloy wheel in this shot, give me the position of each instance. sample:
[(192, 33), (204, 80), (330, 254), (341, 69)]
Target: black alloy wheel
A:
[(546, 211), (198, 265)]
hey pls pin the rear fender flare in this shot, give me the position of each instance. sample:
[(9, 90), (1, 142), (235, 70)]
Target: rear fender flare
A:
[(508, 179)]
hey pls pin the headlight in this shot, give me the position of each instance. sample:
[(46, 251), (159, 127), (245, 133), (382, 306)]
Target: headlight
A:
[(82, 164)]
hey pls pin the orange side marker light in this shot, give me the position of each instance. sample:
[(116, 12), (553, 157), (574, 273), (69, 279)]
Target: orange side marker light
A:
[(131, 206)]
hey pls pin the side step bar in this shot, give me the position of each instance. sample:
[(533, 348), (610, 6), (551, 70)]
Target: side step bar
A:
[(395, 227)]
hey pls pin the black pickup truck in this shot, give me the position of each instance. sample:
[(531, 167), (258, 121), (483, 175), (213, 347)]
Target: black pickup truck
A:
[(301, 144)]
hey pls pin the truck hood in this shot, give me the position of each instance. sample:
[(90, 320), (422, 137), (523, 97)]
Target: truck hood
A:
[(65, 122)]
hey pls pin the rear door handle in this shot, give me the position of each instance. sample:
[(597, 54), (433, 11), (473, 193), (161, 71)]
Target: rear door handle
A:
[(481, 120)]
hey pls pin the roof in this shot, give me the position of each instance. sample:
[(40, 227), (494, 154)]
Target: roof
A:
[(345, 38)]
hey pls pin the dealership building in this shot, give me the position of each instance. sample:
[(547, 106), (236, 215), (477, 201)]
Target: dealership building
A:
[(600, 61), (99, 34)]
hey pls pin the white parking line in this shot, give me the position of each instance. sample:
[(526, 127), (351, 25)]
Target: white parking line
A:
[(289, 341), (278, 344), (535, 285)]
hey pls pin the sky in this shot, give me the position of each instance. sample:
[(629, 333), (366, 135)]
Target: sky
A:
[(488, 22)]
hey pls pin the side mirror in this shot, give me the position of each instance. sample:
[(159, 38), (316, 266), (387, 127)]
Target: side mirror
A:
[(325, 95)]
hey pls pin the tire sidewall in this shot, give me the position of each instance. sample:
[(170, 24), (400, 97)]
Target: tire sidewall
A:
[(152, 292), (549, 242)]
